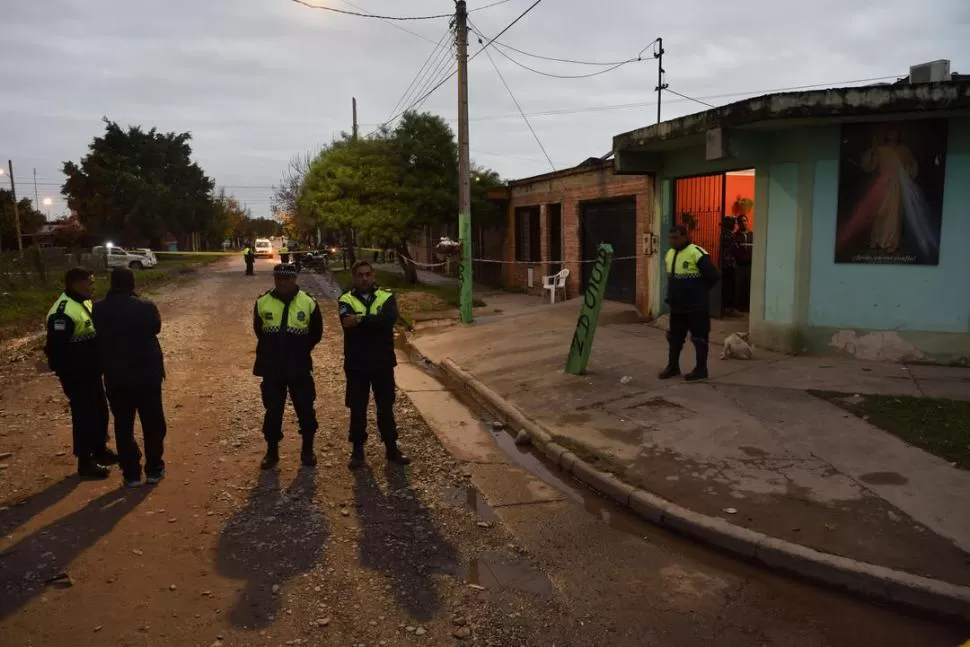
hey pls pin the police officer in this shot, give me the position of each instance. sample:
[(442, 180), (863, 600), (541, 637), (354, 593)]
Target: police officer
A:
[(690, 277), (249, 255), (368, 315), (288, 325), (285, 253), (73, 354)]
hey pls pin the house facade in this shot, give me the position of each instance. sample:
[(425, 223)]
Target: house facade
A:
[(862, 198), (557, 220)]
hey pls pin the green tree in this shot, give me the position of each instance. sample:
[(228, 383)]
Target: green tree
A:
[(30, 219), (138, 184)]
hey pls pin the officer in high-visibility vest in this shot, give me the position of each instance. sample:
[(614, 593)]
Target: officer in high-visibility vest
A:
[(368, 315), (285, 253), (690, 276), (288, 325), (249, 255), (73, 354)]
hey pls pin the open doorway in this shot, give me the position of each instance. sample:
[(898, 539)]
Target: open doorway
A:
[(719, 212)]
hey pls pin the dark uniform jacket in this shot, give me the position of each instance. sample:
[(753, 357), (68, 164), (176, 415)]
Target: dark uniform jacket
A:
[(128, 327), (690, 276), (283, 355), (369, 344), (67, 358)]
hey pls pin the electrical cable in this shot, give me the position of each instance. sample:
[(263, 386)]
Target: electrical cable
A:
[(360, 14), (421, 71), (684, 96), (555, 59), (472, 57), (489, 6), (393, 24), (445, 65)]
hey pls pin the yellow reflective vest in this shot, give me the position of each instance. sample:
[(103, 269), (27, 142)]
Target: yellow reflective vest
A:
[(270, 311), (361, 310), (686, 262), (79, 313)]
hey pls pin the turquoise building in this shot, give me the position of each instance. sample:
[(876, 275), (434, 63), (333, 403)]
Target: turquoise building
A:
[(860, 225)]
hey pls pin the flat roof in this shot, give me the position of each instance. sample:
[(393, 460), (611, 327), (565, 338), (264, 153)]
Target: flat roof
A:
[(788, 109)]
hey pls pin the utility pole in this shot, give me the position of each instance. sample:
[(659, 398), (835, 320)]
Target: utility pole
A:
[(661, 86), (464, 168), (36, 197), (354, 104), (16, 212)]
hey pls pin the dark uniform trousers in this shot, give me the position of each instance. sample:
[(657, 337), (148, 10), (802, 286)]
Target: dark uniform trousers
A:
[(145, 400), (699, 326), (302, 391), (360, 382), (249, 266), (89, 413)]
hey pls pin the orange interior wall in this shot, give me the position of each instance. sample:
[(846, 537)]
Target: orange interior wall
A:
[(739, 186)]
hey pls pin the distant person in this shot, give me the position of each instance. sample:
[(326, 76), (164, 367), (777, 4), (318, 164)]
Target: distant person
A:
[(745, 245), (690, 277), (72, 350), (729, 264), (285, 253), (249, 257), (288, 325), (133, 374), (368, 315)]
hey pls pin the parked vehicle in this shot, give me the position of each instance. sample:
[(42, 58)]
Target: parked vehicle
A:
[(120, 257), (147, 252), (263, 248), (315, 261)]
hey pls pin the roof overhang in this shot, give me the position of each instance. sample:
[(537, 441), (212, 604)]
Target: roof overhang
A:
[(794, 109)]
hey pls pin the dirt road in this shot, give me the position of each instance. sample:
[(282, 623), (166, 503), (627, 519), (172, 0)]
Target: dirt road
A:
[(222, 554)]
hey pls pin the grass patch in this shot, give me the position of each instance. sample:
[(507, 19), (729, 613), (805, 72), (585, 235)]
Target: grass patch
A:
[(412, 298), (941, 427), (24, 304)]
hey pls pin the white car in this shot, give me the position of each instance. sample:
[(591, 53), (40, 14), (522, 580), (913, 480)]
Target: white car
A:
[(120, 257), (144, 251), (263, 248)]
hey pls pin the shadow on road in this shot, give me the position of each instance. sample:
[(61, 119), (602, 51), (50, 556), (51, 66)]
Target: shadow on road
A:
[(399, 538), (27, 566), (277, 536), (23, 511)]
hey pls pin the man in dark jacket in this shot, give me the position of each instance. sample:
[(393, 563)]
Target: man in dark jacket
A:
[(690, 276), (133, 373), (72, 353), (368, 315), (288, 325)]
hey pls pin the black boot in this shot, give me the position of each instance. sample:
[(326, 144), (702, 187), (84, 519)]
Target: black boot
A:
[(673, 364), (307, 456), (356, 457), (271, 458), (105, 456), (394, 455), (700, 368), (90, 470)]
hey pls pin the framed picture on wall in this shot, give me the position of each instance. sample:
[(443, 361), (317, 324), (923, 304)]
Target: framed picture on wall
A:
[(890, 207)]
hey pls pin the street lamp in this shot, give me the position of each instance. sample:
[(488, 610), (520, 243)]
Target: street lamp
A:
[(47, 202)]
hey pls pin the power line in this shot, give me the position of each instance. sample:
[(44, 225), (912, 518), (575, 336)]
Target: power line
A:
[(455, 71), (393, 24), (684, 96), (445, 65), (489, 6), (423, 69), (555, 59), (516, 102), (615, 66), (361, 14)]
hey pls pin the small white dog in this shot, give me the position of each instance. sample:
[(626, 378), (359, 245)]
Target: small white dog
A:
[(736, 346)]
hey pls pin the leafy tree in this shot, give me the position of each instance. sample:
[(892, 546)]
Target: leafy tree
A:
[(134, 183), (30, 219)]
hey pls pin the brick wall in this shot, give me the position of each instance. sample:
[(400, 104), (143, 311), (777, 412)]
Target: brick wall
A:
[(570, 189)]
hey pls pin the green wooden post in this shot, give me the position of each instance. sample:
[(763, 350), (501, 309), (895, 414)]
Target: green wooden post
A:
[(465, 296), (582, 343)]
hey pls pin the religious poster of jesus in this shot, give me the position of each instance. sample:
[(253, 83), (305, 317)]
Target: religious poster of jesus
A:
[(891, 178)]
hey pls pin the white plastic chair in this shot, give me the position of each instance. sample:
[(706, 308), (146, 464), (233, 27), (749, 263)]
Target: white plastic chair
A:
[(555, 283)]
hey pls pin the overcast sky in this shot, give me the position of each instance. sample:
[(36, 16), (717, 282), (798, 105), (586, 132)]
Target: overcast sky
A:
[(256, 81)]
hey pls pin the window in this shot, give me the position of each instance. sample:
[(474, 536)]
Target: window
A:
[(528, 246)]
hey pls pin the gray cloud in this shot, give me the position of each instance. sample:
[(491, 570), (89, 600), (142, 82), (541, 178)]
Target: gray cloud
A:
[(256, 81)]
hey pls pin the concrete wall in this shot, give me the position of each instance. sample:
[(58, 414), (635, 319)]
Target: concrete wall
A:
[(569, 191), (801, 300)]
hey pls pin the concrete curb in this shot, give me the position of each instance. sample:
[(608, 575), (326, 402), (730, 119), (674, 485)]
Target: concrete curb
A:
[(863, 578)]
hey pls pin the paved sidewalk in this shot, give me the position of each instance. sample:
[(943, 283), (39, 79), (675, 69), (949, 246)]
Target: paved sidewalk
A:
[(750, 446)]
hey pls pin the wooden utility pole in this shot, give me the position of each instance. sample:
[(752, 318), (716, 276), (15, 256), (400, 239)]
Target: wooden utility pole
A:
[(464, 168), (16, 211), (661, 86), (354, 104)]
